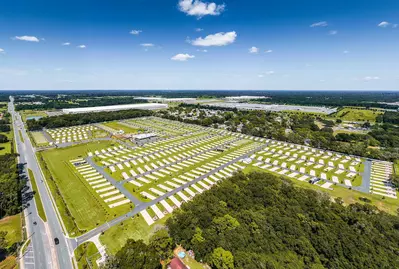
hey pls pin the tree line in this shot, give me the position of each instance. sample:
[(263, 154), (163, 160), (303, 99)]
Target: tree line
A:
[(262, 221), (84, 118)]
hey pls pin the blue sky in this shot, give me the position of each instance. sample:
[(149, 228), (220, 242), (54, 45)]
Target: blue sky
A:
[(193, 44)]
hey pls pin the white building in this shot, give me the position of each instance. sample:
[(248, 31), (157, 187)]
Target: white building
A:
[(149, 106)]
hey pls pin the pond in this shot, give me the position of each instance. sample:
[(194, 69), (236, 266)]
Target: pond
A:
[(34, 118)]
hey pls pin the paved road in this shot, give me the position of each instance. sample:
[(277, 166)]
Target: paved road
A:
[(144, 205), (56, 256)]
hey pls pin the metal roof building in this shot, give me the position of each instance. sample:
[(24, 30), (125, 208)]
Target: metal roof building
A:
[(149, 106)]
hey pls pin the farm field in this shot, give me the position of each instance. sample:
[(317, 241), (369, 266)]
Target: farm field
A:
[(85, 206), (351, 114)]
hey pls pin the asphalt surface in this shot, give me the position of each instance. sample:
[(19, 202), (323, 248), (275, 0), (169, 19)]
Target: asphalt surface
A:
[(144, 205), (46, 253)]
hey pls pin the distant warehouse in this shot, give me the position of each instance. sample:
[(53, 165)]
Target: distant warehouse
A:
[(150, 106)]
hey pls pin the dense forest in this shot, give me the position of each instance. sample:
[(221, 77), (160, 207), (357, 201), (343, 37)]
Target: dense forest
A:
[(316, 98), (10, 185), (389, 117), (84, 118), (299, 128), (48, 104), (262, 221)]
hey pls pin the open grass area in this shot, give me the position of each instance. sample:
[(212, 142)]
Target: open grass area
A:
[(6, 147), (12, 225), (134, 228), (396, 167), (39, 138), (86, 255), (30, 114), (38, 200), (80, 206), (352, 114), (117, 126)]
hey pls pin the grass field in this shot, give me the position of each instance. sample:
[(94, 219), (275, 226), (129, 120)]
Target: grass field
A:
[(117, 126), (87, 252), (81, 207), (32, 113), (38, 200), (6, 147), (39, 138), (351, 114), (9, 263), (134, 228), (12, 225), (396, 167)]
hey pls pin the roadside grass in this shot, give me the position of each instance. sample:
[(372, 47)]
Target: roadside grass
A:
[(80, 206), (9, 263), (386, 204), (86, 255), (6, 147), (133, 228), (38, 200), (25, 246), (352, 114), (117, 126), (12, 225), (21, 137)]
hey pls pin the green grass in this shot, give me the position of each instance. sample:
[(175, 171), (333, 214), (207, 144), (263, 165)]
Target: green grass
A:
[(39, 138), (352, 114), (32, 113), (87, 252), (388, 205), (38, 200), (396, 167), (12, 225), (134, 228), (25, 246), (80, 206), (9, 262), (6, 147), (117, 126), (21, 137)]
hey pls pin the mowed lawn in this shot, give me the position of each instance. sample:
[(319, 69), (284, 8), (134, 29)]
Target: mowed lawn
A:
[(39, 138), (117, 126), (12, 225), (351, 114), (134, 228), (85, 205)]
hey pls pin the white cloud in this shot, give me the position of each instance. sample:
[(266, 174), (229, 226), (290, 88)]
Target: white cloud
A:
[(268, 51), (182, 57), (370, 78), (253, 50), (2, 50), (66, 44), (319, 24), (219, 39), (333, 32), (81, 46), (27, 38), (267, 73), (384, 24), (202, 50), (147, 45), (199, 8), (199, 29), (135, 32)]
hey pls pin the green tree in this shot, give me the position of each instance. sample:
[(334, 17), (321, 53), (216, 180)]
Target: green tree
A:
[(221, 259)]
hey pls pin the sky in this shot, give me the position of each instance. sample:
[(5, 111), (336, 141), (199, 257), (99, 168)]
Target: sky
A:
[(197, 44)]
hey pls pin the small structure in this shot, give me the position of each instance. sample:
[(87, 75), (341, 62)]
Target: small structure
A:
[(139, 137), (176, 263)]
